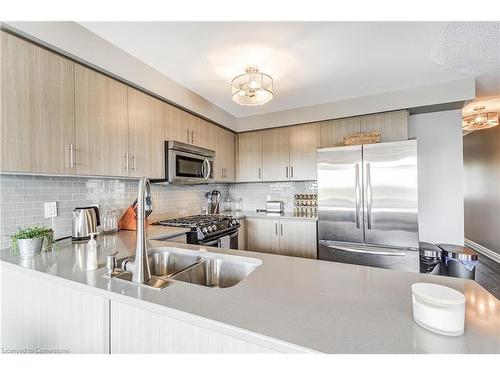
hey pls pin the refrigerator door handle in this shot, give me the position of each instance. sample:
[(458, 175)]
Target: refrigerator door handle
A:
[(360, 250), (357, 188), (368, 197)]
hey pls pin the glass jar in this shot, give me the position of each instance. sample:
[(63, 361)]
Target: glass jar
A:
[(110, 221), (238, 204), (228, 204)]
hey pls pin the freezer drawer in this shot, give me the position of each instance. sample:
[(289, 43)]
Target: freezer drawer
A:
[(372, 256), (340, 208)]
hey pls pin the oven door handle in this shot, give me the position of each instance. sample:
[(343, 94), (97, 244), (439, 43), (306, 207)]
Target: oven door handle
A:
[(211, 243)]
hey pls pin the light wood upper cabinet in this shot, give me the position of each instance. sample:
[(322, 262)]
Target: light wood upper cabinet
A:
[(334, 131), (276, 154), (230, 168), (392, 125), (282, 236), (37, 109), (203, 133), (224, 163), (147, 132), (178, 124), (304, 142), (101, 124), (250, 156), (220, 154)]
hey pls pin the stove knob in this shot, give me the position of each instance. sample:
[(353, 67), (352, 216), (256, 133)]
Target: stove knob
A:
[(234, 222), (214, 227), (204, 230)]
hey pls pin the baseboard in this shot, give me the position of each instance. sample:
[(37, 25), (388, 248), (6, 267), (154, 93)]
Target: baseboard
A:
[(483, 250)]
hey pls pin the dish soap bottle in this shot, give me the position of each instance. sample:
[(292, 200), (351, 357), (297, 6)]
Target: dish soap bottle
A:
[(92, 253)]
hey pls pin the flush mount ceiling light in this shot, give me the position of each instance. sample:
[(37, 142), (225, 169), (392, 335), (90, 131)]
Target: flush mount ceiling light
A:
[(479, 119), (252, 88)]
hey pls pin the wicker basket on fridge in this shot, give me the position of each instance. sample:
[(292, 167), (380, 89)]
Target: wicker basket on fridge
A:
[(362, 138)]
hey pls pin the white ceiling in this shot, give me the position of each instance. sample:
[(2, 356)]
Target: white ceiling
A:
[(312, 63)]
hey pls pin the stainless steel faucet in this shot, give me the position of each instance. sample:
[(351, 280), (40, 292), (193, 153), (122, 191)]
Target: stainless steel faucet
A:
[(140, 266)]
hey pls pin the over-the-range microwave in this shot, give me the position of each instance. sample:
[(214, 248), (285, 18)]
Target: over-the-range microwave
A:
[(187, 164)]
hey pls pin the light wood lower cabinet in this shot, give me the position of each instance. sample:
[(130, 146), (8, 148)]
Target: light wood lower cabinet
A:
[(148, 129), (298, 238), (101, 124), (291, 237), (134, 330), (242, 235), (38, 314), (37, 130), (263, 235)]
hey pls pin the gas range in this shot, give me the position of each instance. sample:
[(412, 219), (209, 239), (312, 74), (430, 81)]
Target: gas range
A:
[(205, 229)]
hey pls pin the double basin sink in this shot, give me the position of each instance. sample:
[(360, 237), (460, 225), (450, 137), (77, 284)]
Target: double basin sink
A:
[(210, 269)]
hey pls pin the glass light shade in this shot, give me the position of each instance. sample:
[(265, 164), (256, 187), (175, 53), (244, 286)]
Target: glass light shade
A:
[(252, 88), (480, 120)]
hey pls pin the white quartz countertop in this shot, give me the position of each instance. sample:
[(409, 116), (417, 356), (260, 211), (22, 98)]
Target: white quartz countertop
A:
[(315, 305), (264, 215)]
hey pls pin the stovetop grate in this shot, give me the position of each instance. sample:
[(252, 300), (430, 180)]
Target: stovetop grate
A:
[(195, 221)]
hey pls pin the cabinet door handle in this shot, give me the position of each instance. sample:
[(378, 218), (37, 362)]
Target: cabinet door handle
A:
[(281, 229), (71, 156), (291, 171), (192, 136), (276, 228), (126, 162), (132, 156), (286, 172), (259, 174)]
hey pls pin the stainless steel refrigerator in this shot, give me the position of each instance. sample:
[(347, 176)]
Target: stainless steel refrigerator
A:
[(368, 205)]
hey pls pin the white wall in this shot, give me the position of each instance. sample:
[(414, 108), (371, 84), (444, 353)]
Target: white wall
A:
[(440, 176), (439, 93)]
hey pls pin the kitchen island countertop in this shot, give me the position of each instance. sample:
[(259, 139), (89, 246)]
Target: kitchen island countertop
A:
[(312, 305)]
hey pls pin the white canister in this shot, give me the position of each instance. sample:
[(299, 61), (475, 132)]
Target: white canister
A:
[(438, 308)]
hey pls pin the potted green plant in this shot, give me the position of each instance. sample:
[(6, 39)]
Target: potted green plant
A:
[(32, 241)]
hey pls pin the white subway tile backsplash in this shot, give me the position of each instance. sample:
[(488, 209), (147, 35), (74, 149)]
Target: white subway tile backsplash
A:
[(254, 195), (22, 200)]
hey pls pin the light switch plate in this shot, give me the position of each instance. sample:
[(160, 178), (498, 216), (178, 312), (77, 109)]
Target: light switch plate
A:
[(50, 209), (268, 198)]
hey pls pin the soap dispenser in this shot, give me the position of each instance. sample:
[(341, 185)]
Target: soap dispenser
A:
[(92, 253)]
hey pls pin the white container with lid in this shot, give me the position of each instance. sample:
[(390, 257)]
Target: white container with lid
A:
[(438, 308)]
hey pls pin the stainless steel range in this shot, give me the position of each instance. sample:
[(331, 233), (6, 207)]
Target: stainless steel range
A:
[(208, 230)]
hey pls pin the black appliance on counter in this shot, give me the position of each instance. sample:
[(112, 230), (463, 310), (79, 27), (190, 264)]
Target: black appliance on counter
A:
[(208, 230)]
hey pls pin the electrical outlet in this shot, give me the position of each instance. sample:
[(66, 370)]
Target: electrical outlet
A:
[(50, 209), (268, 198)]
